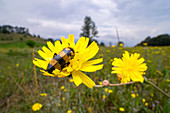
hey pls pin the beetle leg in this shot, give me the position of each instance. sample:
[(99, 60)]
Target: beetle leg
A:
[(54, 55)]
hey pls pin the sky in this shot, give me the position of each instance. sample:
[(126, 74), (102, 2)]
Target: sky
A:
[(134, 19)]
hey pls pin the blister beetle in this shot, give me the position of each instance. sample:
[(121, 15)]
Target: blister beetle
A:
[(61, 60)]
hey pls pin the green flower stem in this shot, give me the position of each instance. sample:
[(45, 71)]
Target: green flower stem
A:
[(115, 84), (152, 84)]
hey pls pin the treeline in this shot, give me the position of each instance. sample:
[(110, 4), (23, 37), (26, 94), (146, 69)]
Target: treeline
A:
[(160, 40), (10, 29)]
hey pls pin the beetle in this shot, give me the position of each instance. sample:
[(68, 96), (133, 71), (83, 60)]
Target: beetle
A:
[(61, 60)]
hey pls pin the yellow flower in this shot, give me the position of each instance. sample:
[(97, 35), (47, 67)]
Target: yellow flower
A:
[(168, 80), (143, 100), (110, 91), (71, 80), (146, 104), (145, 44), (133, 95), (89, 110), (121, 109), (80, 61), (106, 90), (62, 87), (104, 97), (149, 61), (92, 99), (100, 83), (69, 111), (63, 98), (17, 65), (59, 104), (129, 67), (36, 107), (43, 94), (65, 90), (121, 45), (113, 46), (137, 94), (108, 51)]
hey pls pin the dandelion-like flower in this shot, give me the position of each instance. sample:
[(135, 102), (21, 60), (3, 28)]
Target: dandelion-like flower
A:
[(146, 104), (133, 95), (62, 87), (80, 62), (36, 107), (110, 91), (121, 109), (130, 67), (43, 94), (69, 111), (145, 44)]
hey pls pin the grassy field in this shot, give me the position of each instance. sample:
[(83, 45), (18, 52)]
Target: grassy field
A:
[(18, 91)]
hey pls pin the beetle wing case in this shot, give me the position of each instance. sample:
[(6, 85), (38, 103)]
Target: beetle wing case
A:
[(61, 60)]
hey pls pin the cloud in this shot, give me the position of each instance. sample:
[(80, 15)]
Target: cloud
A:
[(135, 20)]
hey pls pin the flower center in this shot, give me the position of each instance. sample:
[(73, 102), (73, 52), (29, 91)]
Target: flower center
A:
[(75, 64)]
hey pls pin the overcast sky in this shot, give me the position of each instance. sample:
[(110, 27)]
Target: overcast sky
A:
[(134, 19)]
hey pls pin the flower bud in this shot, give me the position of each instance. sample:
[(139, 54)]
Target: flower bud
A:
[(106, 83)]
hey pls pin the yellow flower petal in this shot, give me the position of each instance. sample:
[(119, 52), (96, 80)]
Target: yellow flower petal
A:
[(36, 63), (96, 61), (82, 44), (58, 46), (60, 74), (47, 52), (51, 46), (91, 68), (46, 73), (71, 40), (85, 79), (43, 55), (91, 51), (41, 63), (76, 78), (64, 42)]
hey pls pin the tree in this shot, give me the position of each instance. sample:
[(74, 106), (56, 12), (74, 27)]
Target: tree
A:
[(38, 36), (50, 39), (102, 44), (110, 44), (89, 29), (120, 44), (160, 40)]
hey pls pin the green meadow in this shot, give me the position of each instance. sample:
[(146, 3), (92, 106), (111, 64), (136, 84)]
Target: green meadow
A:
[(21, 84)]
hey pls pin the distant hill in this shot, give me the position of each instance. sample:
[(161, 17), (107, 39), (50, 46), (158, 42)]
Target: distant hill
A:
[(11, 36), (19, 40), (160, 40)]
